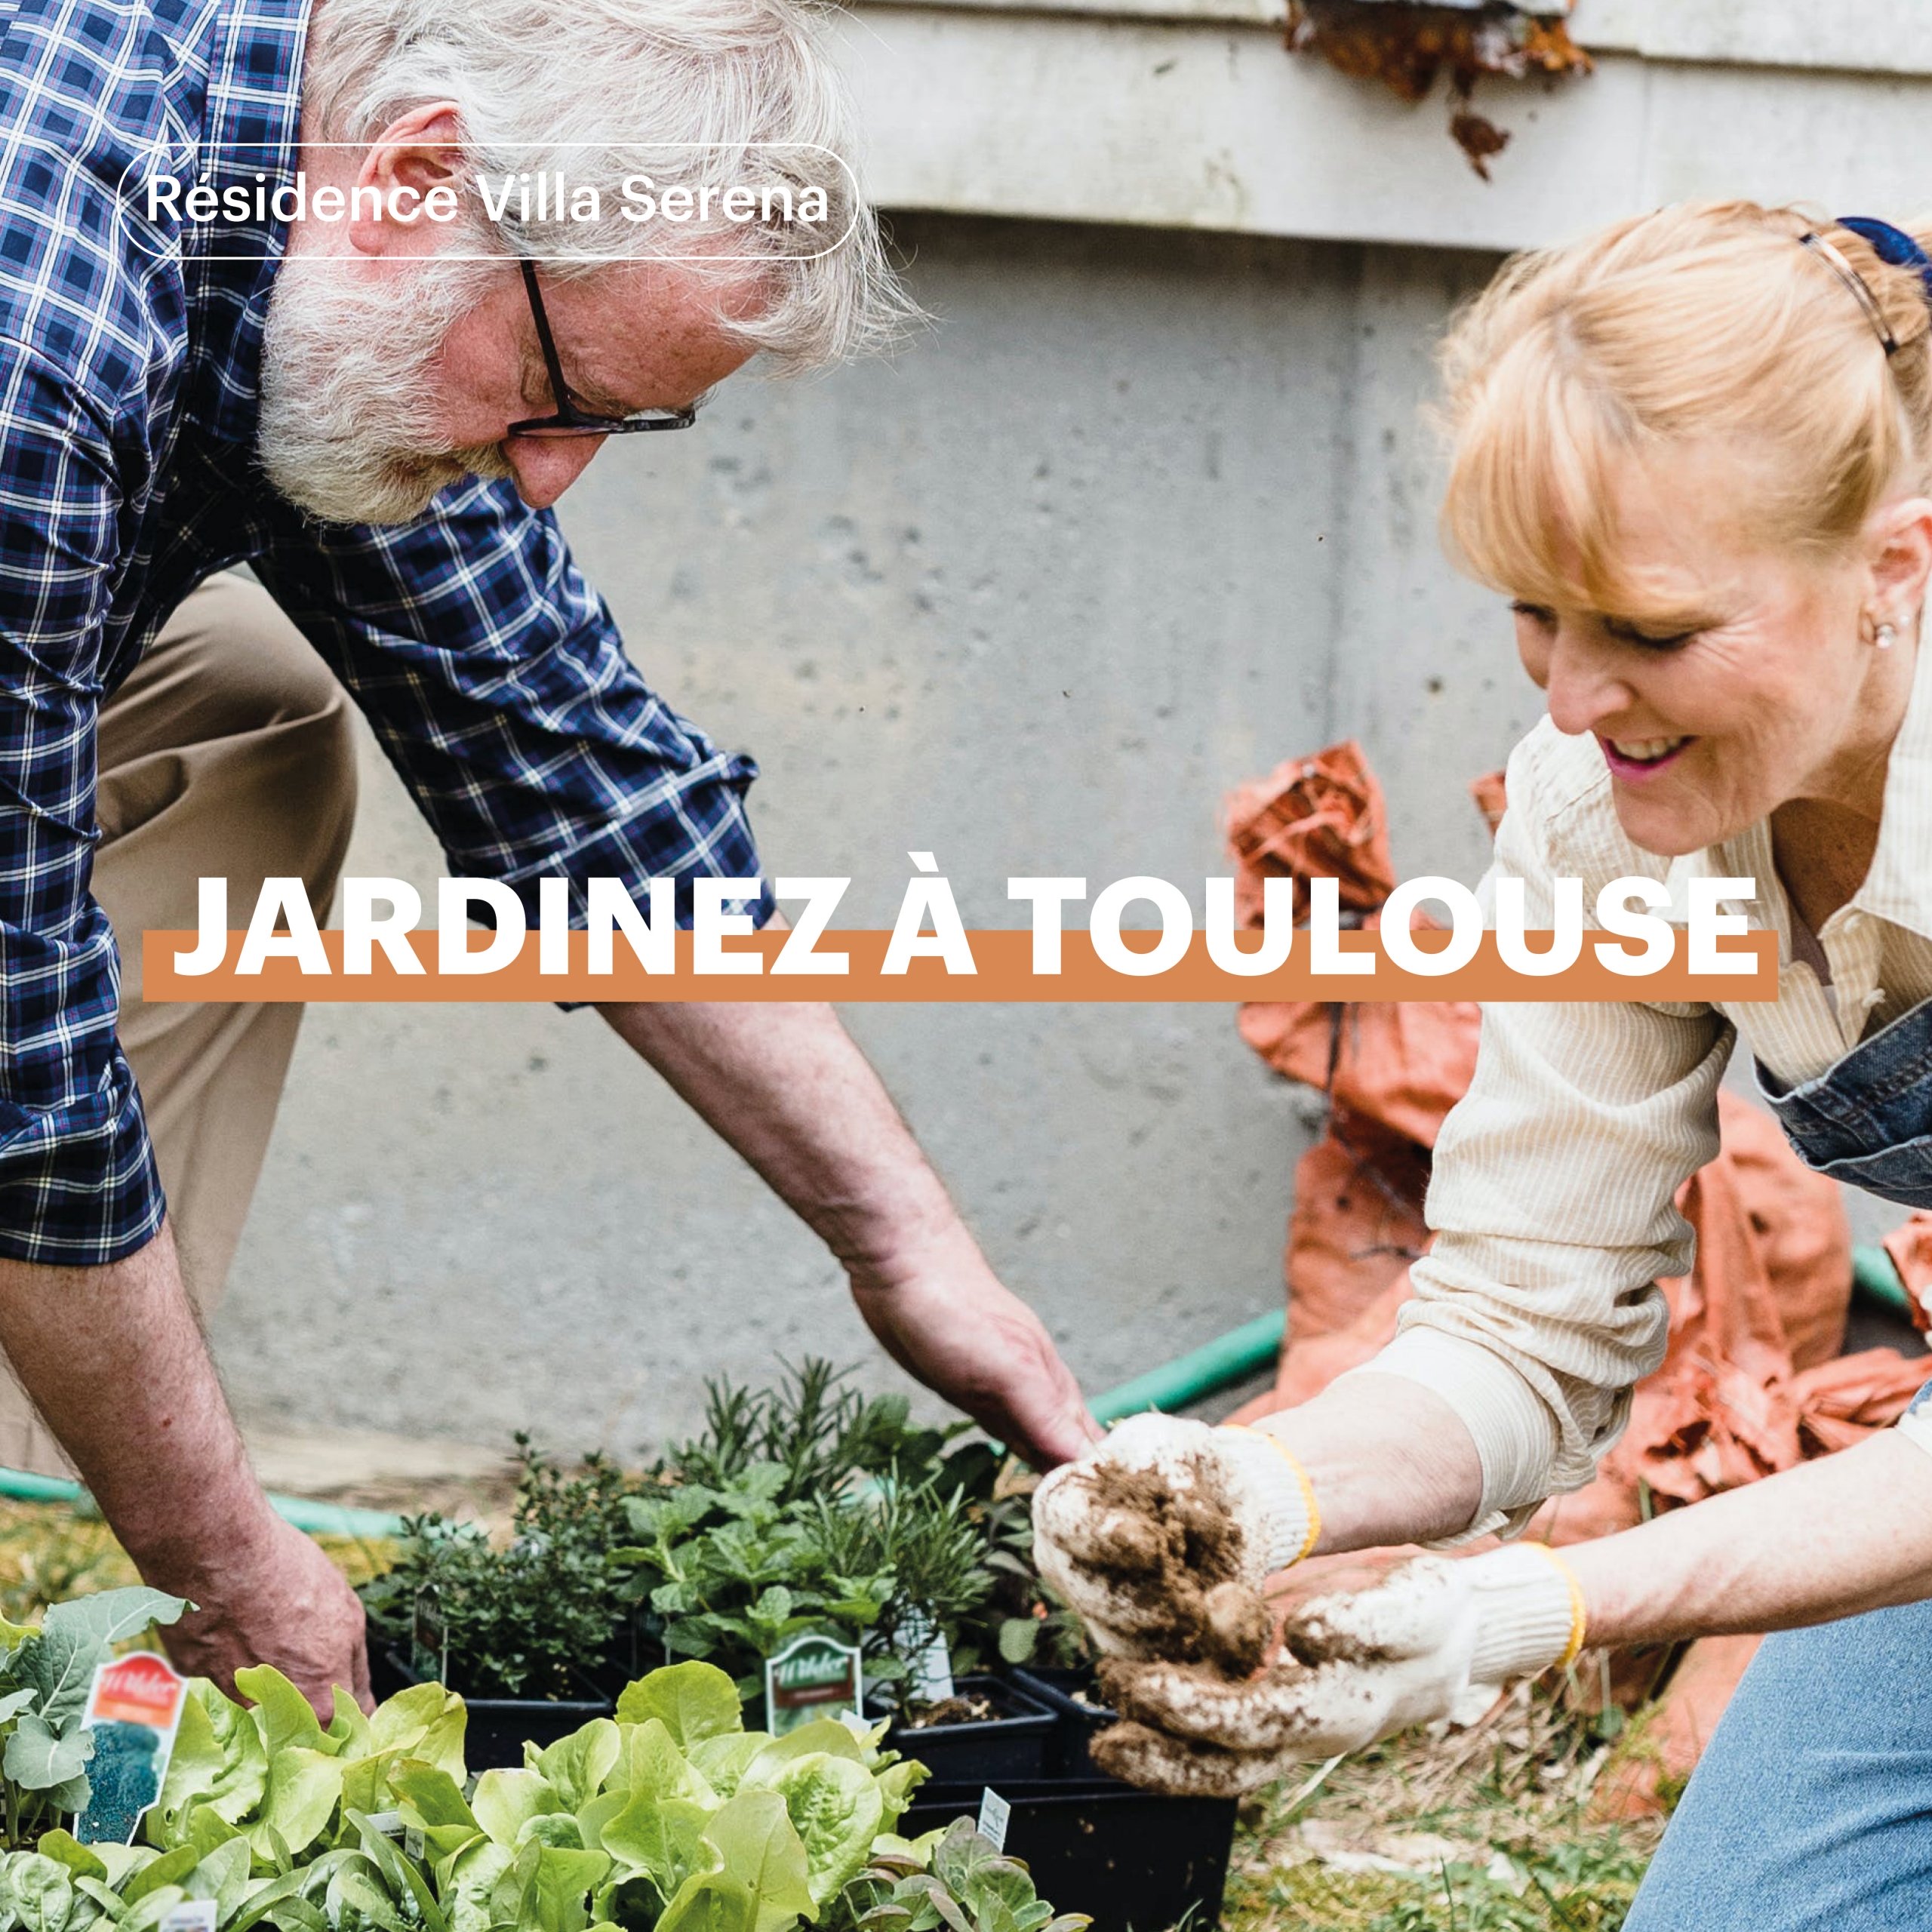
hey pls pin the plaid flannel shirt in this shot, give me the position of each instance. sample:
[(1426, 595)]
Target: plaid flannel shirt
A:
[(492, 672)]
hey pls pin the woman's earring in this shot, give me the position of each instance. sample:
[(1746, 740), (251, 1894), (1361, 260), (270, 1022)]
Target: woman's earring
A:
[(1887, 635)]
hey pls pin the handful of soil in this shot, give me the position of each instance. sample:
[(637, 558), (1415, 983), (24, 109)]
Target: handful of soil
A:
[(1176, 1553)]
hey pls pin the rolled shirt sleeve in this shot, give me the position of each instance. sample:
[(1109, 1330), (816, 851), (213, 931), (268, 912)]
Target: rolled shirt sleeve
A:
[(1553, 1196), (496, 681)]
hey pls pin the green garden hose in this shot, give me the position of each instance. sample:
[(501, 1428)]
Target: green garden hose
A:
[(1874, 1276), (318, 1519), (1191, 1378)]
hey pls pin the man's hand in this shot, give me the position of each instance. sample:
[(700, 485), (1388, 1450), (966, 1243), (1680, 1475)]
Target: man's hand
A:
[(286, 1604), (113, 1357), (1161, 1536), (1435, 1641), (951, 1323)]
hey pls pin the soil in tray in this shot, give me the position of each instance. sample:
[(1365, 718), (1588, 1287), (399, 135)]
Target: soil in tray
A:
[(952, 1710), (987, 1730)]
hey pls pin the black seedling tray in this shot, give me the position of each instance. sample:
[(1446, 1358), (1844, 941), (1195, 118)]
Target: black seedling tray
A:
[(1015, 1745), (1075, 1722), (498, 1727), (1136, 1862)]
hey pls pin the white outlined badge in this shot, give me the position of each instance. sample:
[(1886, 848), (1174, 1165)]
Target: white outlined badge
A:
[(134, 1711), (813, 1677)]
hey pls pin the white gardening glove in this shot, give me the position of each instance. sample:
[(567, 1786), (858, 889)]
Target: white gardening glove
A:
[(1434, 1641), (1161, 1537)]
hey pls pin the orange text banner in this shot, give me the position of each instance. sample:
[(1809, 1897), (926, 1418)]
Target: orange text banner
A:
[(1004, 963)]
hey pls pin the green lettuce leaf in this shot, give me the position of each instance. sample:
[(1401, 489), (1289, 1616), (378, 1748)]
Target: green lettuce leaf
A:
[(710, 1902), (577, 1765), (304, 1788), (218, 1762), (837, 1811), (284, 1716), (661, 1838), (503, 1802), (693, 1701), (754, 1835)]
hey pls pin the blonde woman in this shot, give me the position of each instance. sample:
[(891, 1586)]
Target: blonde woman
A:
[(1696, 453)]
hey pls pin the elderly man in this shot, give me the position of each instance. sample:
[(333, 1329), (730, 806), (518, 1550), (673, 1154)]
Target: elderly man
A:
[(375, 409)]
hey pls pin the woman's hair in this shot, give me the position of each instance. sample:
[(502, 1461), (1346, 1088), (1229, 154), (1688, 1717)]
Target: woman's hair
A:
[(1710, 325)]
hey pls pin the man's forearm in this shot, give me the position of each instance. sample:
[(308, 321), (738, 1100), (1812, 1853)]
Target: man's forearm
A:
[(1850, 1532), (113, 1359), (788, 1088), (786, 1085)]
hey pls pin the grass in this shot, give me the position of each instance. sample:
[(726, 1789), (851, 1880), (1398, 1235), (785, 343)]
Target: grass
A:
[(50, 1550), (1485, 1830)]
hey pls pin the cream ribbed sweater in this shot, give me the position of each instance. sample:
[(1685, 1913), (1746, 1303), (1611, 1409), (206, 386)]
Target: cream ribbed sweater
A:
[(1553, 1196)]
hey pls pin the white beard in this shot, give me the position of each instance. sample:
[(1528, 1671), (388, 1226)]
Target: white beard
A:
[(344, 431)]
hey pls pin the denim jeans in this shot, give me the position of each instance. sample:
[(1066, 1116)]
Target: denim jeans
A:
[(1812, 1807), (1868, 1120), (1811, 1811)]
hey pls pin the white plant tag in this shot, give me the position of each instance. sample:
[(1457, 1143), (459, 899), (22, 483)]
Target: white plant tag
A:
[(929, 1679), (995, 1812), (190, 1915)]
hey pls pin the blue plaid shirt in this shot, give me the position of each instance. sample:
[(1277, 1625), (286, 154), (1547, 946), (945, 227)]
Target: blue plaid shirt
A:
[(492, 672)]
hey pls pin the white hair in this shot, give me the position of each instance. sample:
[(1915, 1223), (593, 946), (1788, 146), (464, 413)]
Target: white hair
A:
[(720, 93)]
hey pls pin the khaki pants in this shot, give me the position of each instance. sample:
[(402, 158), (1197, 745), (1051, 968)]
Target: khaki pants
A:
[(228, 751)]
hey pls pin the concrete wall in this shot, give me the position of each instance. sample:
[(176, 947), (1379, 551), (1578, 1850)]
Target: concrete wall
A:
[(1143, 515)]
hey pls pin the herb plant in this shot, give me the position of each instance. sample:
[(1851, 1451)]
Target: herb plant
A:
[(818, 1436), (734, 1574), (804, 1506), (549, 1616)]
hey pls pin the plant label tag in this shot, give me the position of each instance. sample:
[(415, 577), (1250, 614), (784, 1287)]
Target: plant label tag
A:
[(412, 1841), (929, 1678), (190, 1915), (813, 1677), (389, 1824), (429, 1637), (995, 1814), (134, 1710)]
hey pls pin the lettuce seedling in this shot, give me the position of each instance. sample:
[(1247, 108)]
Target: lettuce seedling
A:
[(671, 1818), (272, 1777)]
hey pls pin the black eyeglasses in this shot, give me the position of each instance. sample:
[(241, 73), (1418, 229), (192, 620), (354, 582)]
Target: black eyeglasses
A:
[(569, 419)]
